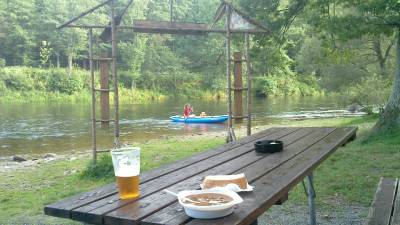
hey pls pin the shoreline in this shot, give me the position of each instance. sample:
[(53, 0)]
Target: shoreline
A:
[(7, 164)]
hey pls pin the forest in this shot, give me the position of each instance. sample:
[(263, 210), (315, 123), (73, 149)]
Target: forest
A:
[(315, 48)]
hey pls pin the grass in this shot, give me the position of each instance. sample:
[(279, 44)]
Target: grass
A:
[(351, 174), (126, 96), (25, 192)]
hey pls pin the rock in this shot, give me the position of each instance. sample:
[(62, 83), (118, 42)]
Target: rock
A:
[(17, 158), (49, 155), (354, 108), (72, 158)]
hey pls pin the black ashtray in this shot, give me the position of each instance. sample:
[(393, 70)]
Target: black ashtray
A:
[(268, 146)]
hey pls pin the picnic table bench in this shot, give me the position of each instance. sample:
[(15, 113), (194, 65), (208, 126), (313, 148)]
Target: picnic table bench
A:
[(385, 209), (272, 175)]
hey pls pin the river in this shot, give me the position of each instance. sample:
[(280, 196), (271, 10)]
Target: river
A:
[(33, 128)]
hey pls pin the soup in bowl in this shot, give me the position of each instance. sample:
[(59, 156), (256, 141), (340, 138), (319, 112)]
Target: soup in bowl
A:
[(208, 204)]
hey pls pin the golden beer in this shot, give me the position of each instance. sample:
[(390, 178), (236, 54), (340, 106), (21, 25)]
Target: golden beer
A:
[(128, 187), (126, 162)]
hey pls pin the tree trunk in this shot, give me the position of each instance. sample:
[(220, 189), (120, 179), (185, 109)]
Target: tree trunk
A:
[(69, 65), (390, 118), (58, 60), (378, 52)]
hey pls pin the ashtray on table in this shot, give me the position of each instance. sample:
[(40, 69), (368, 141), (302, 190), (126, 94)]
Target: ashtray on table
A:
[(268, 146)]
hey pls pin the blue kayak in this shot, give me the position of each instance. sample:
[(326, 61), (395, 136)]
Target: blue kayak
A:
[(197, 119)]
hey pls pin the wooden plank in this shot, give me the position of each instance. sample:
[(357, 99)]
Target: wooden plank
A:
[(396, 208), (170, 215), (92, 212), (272, 186), (166, 27), (135, 212), (82, 14), (381, 208), (63, 207)]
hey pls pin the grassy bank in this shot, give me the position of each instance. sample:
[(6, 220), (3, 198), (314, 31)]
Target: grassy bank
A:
[(27, 84), (351, 174), (126, 96)]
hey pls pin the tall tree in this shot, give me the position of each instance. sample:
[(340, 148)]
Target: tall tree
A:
[(359, 18)]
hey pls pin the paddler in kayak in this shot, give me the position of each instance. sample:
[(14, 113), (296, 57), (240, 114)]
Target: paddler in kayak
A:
[(187, 109)]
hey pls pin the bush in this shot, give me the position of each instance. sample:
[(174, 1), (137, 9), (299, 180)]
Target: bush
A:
[(103, 169), (17, 78), (2, 63), (373, 91), (288, 85), (3, 88), (25, 79), (126, 79), (61, 82)]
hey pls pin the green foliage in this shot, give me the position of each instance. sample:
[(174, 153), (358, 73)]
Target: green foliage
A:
[(45, 53), (26, 79), (3, 88), (103, 169), (373, 91), (314, 45), (16, 79), (61, 82), (284, 85), (2, 63)]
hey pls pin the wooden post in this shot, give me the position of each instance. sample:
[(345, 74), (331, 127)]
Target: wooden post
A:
[(105, 95), (238, 85), (170, 12), (114, 74), (94, 148), (230, 136), (249, 73)]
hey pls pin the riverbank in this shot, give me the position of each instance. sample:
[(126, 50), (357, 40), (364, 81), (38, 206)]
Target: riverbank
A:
[(39, 85), (349, 177)]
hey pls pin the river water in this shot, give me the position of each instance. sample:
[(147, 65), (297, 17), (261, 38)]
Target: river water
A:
[(33, 128)]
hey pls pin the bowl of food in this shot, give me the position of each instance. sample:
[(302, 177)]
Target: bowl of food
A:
[(209, 204)]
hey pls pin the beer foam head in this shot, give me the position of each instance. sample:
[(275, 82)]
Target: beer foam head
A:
[(127, 172), (126, 167)]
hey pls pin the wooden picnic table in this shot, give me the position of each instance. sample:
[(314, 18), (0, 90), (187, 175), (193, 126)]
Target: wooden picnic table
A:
[(272, 175)]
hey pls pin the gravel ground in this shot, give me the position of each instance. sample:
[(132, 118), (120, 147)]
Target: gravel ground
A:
[(291, 214)]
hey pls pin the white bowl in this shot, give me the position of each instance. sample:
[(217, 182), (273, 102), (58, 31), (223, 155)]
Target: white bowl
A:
[(213, 211)]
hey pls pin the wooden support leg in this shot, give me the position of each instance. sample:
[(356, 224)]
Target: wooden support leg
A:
[(283, 199), (255, 222), (311, 199), (352, 138)]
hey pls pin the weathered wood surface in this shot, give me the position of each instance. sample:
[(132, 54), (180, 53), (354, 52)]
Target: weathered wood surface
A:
[(273, 175), (385, 207)]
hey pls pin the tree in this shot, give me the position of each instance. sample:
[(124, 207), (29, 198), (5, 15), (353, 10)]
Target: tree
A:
[(357, 19), (16, 43)]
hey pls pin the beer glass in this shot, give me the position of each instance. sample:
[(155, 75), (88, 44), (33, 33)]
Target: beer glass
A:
[(126, 161)]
